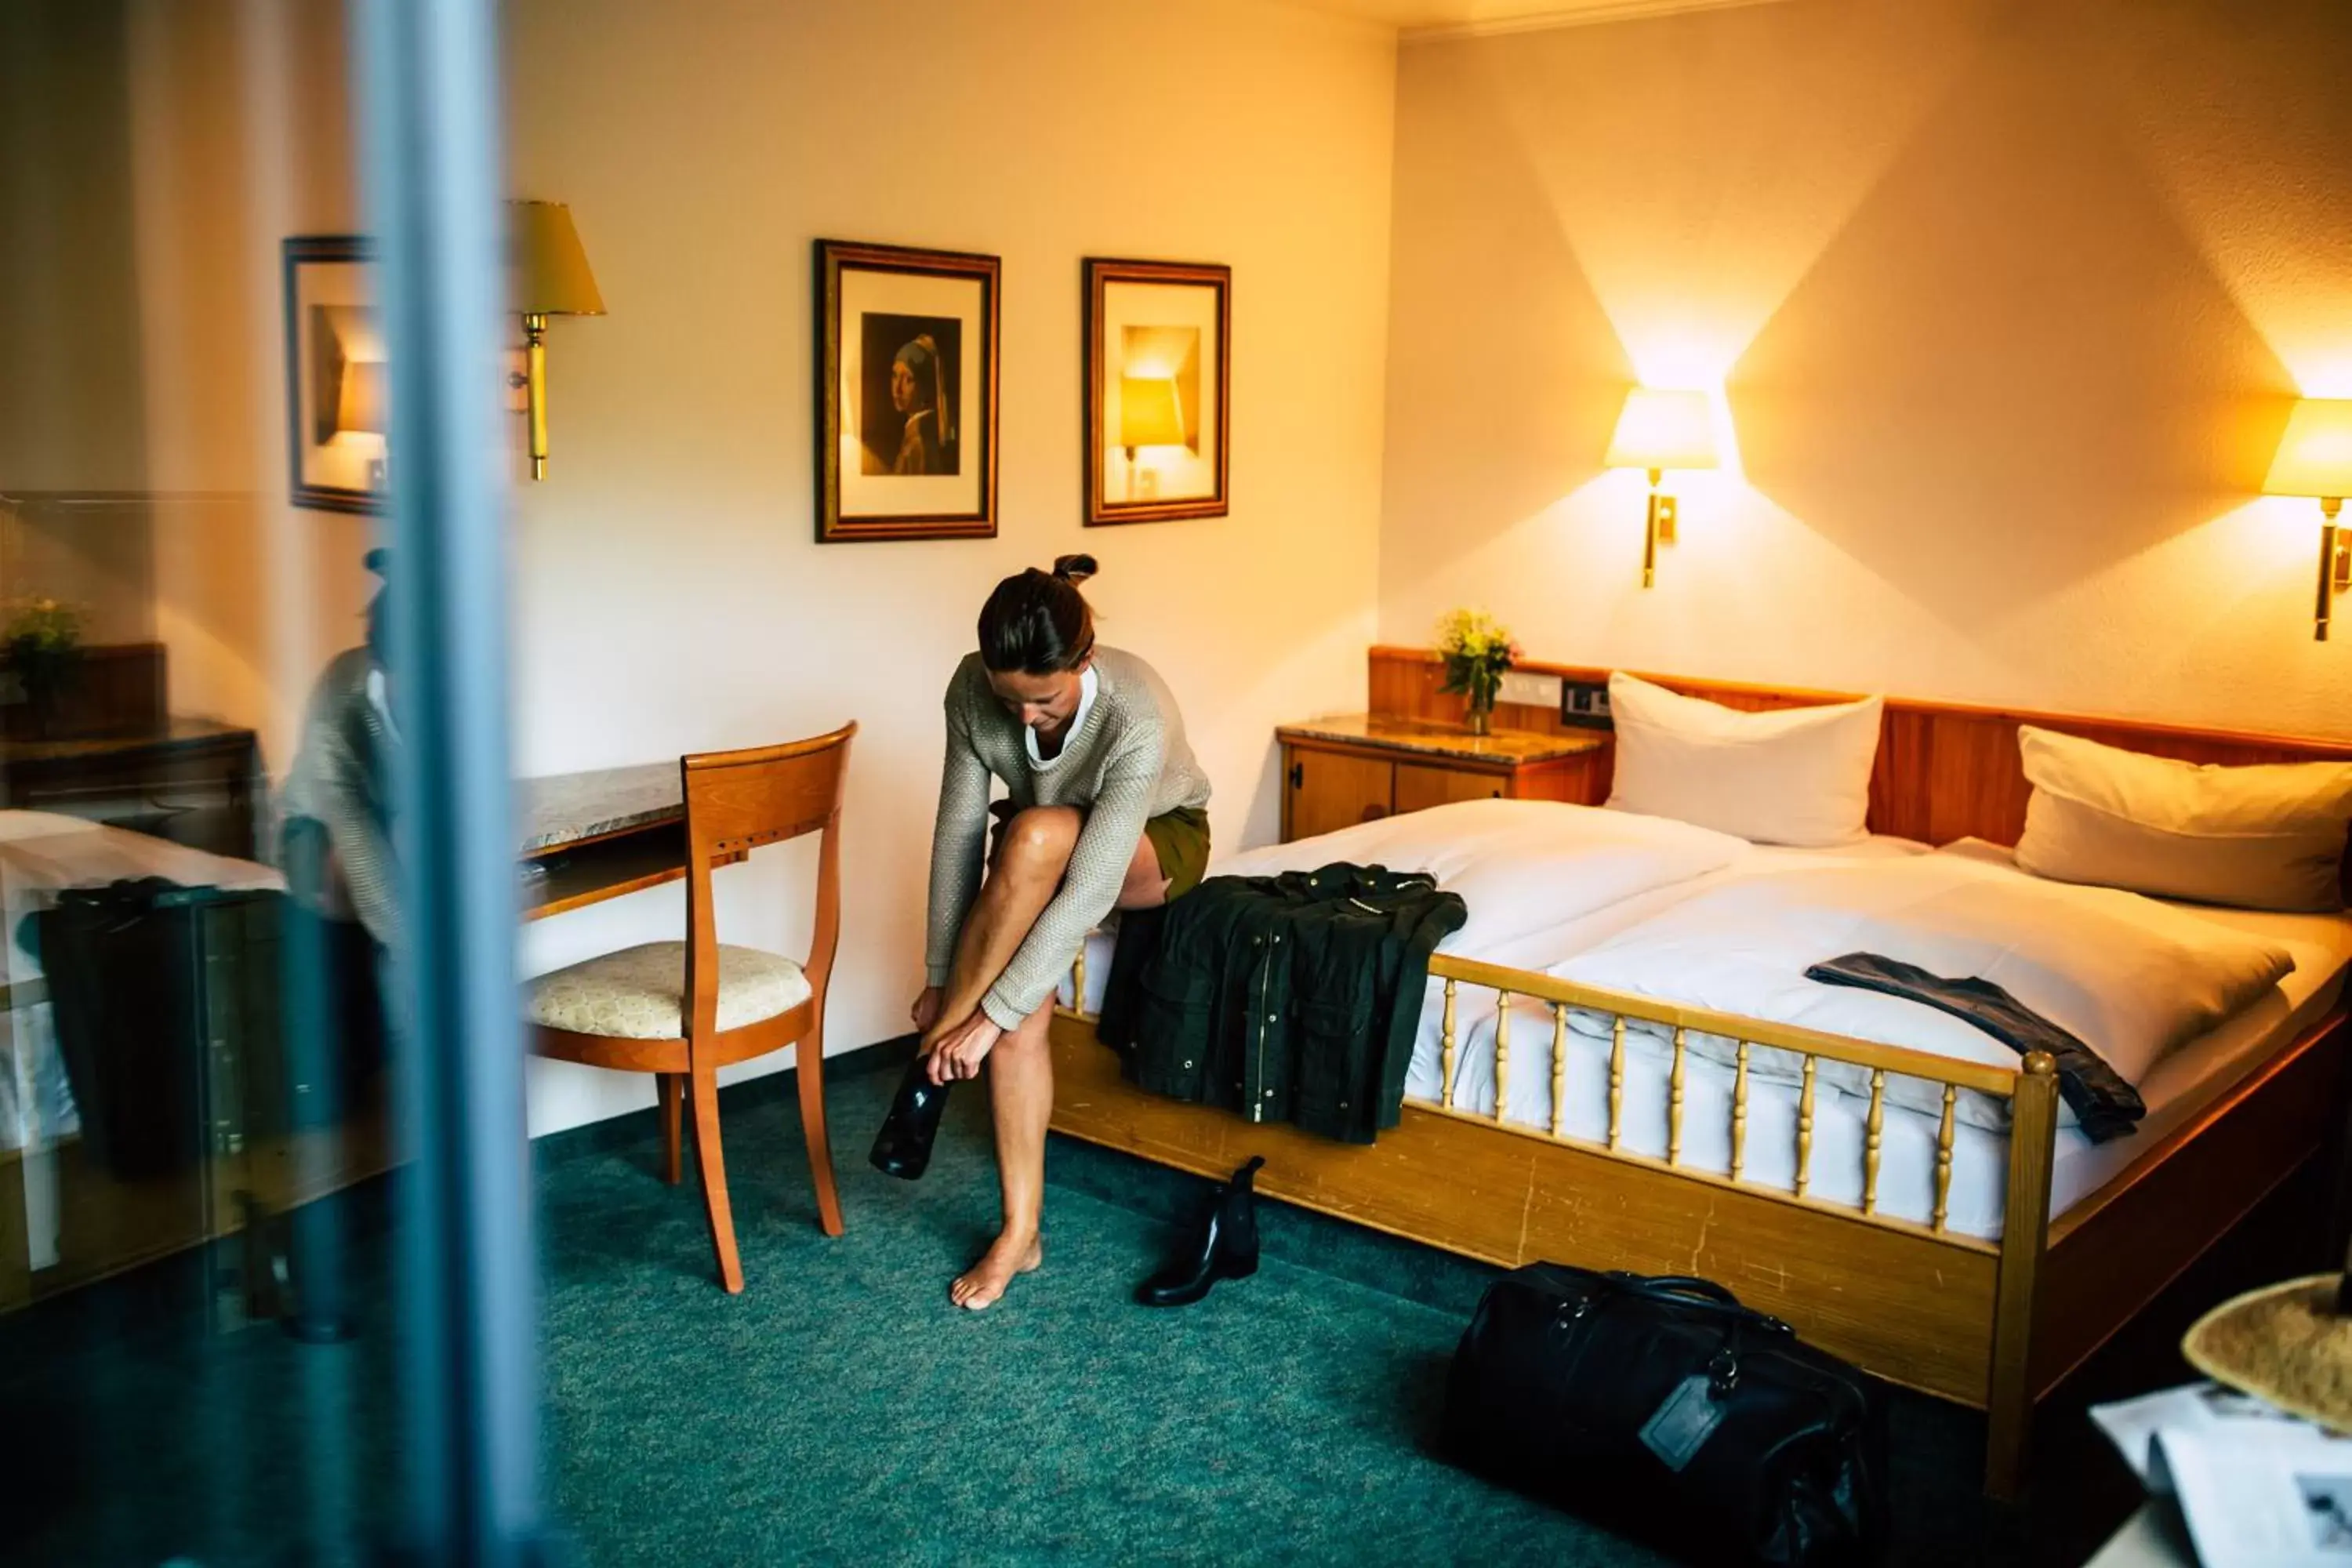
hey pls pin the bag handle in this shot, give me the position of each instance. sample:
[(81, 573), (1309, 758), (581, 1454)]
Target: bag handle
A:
[(1689, 1290)]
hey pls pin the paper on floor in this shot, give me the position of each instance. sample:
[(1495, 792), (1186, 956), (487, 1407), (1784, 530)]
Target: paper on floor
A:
[(2258, 1488)]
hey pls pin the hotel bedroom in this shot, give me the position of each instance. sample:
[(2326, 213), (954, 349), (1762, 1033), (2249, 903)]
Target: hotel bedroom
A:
[(1747, 585)]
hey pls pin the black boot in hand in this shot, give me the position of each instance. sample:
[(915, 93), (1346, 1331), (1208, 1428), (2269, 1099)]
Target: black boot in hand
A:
[(903, 1147), (1225, 1247)]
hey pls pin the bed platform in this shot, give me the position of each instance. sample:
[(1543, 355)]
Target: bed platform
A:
[(1990, 1323)]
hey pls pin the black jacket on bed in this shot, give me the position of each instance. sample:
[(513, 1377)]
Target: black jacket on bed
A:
[(2104, 1104), (1290, 998)]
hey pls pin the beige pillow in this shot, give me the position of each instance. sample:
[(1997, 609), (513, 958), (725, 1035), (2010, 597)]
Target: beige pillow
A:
[(1786, 775), (2270, 837)]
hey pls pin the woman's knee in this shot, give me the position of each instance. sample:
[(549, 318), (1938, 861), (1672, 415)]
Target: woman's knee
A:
[(1031, 1037), (1041, 835)]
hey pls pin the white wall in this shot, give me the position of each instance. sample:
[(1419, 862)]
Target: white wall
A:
[(670, 597), (2010, 301)]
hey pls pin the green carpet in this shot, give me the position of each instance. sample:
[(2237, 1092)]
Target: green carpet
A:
[(841, 1410)]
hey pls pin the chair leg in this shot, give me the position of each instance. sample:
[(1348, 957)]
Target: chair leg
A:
[(704, 1091), (820, 1148), (666, 1088)]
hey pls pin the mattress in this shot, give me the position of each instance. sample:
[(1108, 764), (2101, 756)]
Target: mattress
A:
[(2179, 1087), (2175, 1089), (1553, 944)]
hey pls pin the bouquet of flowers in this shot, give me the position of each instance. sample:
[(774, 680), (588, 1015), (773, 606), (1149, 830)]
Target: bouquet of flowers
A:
[(1477, 650), (40, 642)]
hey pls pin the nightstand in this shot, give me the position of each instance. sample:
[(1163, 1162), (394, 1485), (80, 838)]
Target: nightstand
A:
[(1339, 772)]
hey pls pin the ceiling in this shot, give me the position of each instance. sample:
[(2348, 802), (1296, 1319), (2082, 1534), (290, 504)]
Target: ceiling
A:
[(1441, 17)]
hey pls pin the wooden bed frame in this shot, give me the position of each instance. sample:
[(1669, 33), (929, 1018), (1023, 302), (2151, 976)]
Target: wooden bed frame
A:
[(1991, 1324)]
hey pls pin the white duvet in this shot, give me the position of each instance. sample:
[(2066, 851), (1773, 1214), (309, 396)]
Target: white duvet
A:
[(1520, 865), (2132, 978)]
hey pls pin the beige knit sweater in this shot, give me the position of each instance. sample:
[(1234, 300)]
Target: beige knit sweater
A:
[(1125, 762)]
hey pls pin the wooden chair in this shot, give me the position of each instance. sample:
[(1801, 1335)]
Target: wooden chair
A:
[(683, 1010)]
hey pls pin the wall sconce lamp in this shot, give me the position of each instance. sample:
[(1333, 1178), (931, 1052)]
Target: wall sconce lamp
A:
[(1657, 431), (551, 278), (2315, 459), (1151, 414), (361, 405), (359, 402)]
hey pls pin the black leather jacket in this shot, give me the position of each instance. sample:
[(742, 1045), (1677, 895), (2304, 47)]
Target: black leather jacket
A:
[(1290, 998)]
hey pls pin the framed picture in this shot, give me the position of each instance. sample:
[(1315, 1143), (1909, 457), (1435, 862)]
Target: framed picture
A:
[(336, 395), (905, 393), (1159, 414)]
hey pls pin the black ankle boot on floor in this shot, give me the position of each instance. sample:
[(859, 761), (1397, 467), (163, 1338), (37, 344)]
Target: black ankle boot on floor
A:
[(1223, 1248), (903, 1147)]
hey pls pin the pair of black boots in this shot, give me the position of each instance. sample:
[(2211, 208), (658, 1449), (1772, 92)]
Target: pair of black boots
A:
[(1223, 1244)]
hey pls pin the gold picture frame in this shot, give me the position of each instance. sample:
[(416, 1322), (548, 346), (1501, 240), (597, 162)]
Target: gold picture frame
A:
[(905, 393), (1159, 379)]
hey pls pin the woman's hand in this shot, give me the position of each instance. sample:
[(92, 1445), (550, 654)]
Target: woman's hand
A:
[(964, 1047), (926, 1010)]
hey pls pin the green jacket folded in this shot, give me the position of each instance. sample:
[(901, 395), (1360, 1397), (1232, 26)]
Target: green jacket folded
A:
[(1291, 998)]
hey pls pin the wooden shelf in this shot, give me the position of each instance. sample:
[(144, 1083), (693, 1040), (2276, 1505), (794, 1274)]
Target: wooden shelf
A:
[(599, 868)]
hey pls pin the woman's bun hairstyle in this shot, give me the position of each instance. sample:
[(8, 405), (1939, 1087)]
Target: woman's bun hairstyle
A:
[(1037, 622)]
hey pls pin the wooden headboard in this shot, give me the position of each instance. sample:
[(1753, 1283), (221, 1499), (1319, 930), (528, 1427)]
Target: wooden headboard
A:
[(1946, 770)]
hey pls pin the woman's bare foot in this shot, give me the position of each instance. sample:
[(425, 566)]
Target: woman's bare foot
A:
[(980, 1286)]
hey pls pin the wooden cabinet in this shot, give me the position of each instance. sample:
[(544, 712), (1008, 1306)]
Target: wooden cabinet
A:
[(1420, 785), (1331, 790), (1338, 772)]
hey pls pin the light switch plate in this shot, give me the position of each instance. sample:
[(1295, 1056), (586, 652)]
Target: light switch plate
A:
[(1529, 686)]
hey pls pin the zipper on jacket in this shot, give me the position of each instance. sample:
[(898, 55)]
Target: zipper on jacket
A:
[(1256, 1090), (1259, 1091)]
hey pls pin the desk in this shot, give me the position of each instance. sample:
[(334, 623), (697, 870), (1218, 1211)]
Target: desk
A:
[(594, 836)]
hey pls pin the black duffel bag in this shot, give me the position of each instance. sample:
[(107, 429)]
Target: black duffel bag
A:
[(1666, 1410)]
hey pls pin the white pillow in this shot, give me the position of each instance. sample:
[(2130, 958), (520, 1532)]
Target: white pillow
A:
[(2268, 836), (1786, 775)]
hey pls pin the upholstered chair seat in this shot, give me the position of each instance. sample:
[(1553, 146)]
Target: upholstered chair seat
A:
[(639, 993)]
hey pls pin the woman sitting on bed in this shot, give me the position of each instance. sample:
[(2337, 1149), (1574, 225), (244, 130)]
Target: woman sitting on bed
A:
[(1106, 811)]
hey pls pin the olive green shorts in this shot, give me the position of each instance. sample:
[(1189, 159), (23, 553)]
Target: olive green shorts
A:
[(1181, 840)]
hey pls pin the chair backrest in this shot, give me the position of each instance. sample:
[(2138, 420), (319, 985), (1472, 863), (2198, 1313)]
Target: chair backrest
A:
[(738, 801)]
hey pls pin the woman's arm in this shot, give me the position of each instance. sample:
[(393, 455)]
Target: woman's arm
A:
[(1090, 886), (957, 838)]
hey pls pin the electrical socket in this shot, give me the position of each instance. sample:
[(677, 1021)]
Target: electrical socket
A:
[(1529, 686), (1586, 702)]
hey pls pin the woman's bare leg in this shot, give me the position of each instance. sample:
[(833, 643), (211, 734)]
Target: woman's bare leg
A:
[(1034, 852), (1021, 1104)]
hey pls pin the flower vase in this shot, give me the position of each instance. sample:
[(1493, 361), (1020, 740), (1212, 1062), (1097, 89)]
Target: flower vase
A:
[(1482, 717)]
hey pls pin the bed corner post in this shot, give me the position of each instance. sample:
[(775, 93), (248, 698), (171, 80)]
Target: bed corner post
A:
[(2025, 1225)]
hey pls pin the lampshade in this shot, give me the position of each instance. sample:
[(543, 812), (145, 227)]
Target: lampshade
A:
[(360, 405), (1148, 412), (1663, 430), (2314, 455), (549, 269)]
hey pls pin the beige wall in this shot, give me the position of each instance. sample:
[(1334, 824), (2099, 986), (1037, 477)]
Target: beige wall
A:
[(157, 152), (2010, 298), (670, 597)]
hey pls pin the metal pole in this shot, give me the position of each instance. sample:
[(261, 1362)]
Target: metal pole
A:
[(426, 76)]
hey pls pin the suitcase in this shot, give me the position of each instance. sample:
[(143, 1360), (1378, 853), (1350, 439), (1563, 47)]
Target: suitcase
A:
[(166, 1001), (1666, 1410)]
